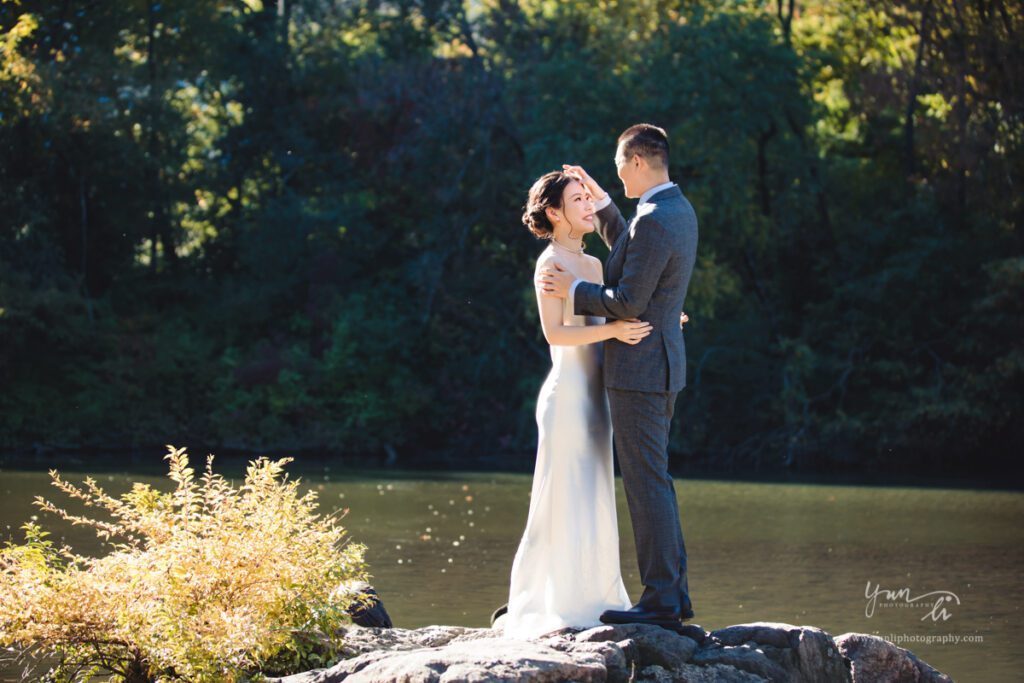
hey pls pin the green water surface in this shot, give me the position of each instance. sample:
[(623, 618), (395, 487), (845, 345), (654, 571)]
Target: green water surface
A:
[(441, 549)]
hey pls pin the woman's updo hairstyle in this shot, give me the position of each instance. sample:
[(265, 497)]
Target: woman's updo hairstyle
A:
[(546, 192)]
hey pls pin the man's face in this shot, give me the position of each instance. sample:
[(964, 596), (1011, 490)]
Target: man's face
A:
[(627, 171)]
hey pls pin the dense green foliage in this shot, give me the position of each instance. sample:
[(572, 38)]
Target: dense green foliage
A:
[(296, 224)]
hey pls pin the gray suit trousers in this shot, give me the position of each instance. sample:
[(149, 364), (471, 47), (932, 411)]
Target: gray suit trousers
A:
[(641, 421)]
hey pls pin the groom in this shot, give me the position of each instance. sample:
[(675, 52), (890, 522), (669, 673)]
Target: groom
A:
[(646, 276)]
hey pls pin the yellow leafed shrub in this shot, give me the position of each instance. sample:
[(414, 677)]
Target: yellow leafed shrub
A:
[(205, 583)]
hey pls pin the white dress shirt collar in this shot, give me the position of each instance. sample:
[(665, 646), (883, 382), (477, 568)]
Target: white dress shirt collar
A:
[(653, 191)]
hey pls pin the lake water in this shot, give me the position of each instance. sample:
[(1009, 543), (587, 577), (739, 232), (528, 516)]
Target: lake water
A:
[(441, 548)]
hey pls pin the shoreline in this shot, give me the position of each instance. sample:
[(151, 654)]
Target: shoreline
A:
[(144, 460)]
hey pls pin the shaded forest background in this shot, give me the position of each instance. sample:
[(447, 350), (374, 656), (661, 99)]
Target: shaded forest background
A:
[(294, 225)]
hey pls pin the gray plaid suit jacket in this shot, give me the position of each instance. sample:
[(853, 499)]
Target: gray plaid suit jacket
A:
[(646, 276)]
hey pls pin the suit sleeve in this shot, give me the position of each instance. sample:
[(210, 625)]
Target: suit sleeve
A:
[(609, 223), (647, 256)]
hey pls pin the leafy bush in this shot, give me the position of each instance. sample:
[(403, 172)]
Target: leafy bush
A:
[(205, 583)]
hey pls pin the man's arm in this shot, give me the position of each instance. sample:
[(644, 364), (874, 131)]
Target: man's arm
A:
[(646, 258), (608, 220), (559, 334)]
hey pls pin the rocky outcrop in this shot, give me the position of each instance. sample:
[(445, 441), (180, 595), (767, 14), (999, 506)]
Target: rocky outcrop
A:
[(876, 659), (746, 653), (777, 652)]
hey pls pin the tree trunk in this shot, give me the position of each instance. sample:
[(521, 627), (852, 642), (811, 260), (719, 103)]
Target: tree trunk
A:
[(160, 229), (84, 222), (915, 83), (762, 169), (963, 115), (786, 19)]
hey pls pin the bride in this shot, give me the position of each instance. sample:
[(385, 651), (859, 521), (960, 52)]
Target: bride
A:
[(566, 570)]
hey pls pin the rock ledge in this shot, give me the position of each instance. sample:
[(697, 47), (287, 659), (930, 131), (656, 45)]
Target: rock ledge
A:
[(744, 653)]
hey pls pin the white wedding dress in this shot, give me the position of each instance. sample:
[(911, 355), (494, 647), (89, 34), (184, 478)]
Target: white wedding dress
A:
[(566, 570)]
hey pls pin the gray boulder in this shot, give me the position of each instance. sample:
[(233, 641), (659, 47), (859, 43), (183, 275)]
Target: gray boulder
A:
[(777, 652), (357, 640), (760, 652), (690, 673), (651, 644), (876, 660), (494, 659)]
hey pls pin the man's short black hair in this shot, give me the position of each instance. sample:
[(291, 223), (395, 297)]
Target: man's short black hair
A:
[(647, 140)]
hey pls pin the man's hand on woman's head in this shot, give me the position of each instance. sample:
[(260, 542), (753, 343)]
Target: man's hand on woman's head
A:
[(577, 172)]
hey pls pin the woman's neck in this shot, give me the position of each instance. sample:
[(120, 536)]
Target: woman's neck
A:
[(573, 245)]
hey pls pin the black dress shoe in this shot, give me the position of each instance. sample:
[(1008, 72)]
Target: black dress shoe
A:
[(642, 615), (498, 612)]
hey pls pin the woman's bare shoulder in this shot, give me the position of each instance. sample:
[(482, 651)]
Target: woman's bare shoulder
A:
[(547, 258)]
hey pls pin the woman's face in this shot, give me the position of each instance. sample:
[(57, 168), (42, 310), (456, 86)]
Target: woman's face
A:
[(577, 212)]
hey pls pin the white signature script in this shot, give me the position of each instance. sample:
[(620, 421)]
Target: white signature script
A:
[(935, 598)]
